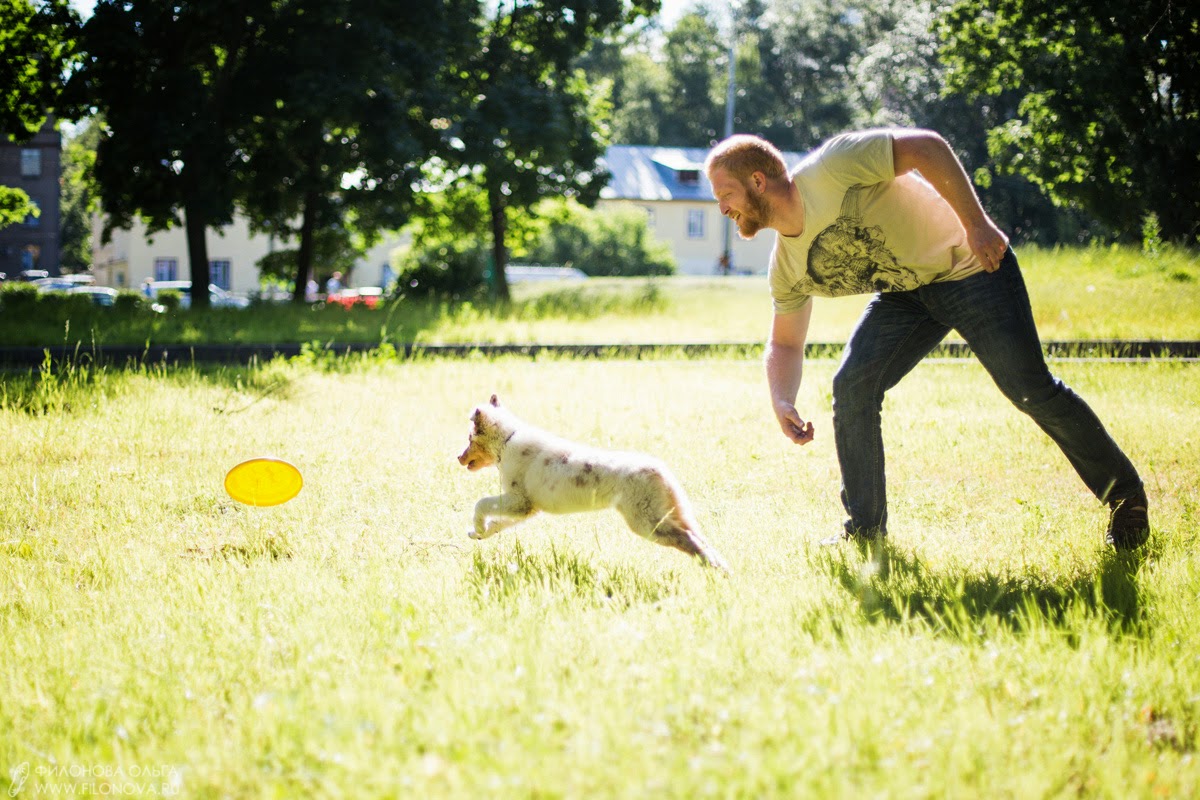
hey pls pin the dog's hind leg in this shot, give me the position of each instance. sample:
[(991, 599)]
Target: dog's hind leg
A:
[(690, 542), (669, 531), (494, 514)]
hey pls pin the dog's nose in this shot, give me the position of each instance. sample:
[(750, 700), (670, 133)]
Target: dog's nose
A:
[(462, 459)]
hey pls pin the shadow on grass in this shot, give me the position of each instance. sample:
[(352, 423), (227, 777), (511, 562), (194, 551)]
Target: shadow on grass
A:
[(900, 587), (513, 573), (258, 548)]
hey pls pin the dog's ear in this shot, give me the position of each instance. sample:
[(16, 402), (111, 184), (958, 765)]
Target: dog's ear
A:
[(476, 417), (495, 402)]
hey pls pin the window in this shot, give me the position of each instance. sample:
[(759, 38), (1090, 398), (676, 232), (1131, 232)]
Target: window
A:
[(31, 162), (695, 224), (651, 217), (166, 269), (689, 177), (218, 273), (33, 220)]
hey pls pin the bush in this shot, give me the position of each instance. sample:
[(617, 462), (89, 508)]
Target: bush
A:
[(19, 298), (455, 270), (610, 242), (169, 299), (130, 301)]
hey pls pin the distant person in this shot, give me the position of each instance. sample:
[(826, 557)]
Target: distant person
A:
[(856, 217), (311, 290), (334, 284)]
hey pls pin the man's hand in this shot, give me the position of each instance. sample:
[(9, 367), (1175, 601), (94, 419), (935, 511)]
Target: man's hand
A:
[(988, 243), (793, 427)]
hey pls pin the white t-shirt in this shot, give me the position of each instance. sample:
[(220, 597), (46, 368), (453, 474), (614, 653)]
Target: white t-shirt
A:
[(865, 229)]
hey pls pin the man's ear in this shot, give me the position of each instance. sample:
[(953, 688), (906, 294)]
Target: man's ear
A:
[(758, 180), (495, 402)]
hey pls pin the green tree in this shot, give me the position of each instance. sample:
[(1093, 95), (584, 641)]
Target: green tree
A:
[(334, 155), (902, 80), (531, 124), (609, 242), (694, 102), (77, 197), (37, 48), (335, 249), (15, 206), (1110, 109), (172, 85), (624, 64)]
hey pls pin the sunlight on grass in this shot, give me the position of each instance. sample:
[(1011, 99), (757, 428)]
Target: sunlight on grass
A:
[(355, 643), (1088, 293)]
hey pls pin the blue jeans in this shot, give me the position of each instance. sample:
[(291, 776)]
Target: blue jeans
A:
[(991, 312)]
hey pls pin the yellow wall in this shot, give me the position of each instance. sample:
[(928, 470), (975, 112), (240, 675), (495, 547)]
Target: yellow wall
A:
[(128, 259)]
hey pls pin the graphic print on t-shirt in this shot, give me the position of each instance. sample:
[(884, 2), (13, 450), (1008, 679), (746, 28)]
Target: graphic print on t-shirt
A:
[(850, 257)]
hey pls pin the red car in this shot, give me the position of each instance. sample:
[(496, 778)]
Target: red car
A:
[(369, 296)]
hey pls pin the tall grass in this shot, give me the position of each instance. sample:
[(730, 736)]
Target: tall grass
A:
[(1088, 293), (355, 643)]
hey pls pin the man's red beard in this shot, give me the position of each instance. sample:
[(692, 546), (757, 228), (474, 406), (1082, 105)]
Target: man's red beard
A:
[(755, 218)]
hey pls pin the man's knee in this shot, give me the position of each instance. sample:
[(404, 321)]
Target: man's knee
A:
[(855, 388), (1031, 395)]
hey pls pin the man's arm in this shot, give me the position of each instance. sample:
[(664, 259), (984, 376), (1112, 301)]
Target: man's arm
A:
[(785, 365), (929, 154)]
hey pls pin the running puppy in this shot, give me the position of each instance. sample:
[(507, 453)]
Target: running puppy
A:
[(541, 472)]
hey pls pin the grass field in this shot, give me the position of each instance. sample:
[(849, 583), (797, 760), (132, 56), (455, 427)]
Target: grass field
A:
[(160, 639), (1077, 293)]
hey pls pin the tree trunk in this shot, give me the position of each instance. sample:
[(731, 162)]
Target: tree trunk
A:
[(499, 251), (304, 254), (196, 226)]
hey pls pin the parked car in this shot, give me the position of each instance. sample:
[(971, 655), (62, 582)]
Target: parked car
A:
[(517, 273), (369, 296), (100, 295), (218, 297), (62, 283)]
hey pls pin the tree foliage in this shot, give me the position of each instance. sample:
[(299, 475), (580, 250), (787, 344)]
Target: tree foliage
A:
[(1109, 115), (174, 83), (609, 242), (77, 197), (530, 122), (15, 206), (37, 48), (356, 92)]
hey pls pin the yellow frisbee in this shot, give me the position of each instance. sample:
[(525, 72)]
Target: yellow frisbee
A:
[(263, 482)]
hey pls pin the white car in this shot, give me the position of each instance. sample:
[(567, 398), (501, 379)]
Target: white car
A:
[(101, 295), (62, 283), (218, 297)]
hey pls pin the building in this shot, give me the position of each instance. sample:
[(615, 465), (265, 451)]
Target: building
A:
[(132, 256), (667, 182), (34, 167), (670, 184)]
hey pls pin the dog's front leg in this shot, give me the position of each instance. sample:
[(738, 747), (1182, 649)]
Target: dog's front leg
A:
[(494, 514)]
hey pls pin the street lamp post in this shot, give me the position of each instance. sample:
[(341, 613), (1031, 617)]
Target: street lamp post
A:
[(726, 264)]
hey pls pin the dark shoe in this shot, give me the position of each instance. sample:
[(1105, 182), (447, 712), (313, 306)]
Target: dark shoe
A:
[(1129, 525), (857, 538), (872, 548)]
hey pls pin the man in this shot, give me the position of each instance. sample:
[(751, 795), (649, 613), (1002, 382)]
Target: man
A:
[(892, 212)]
